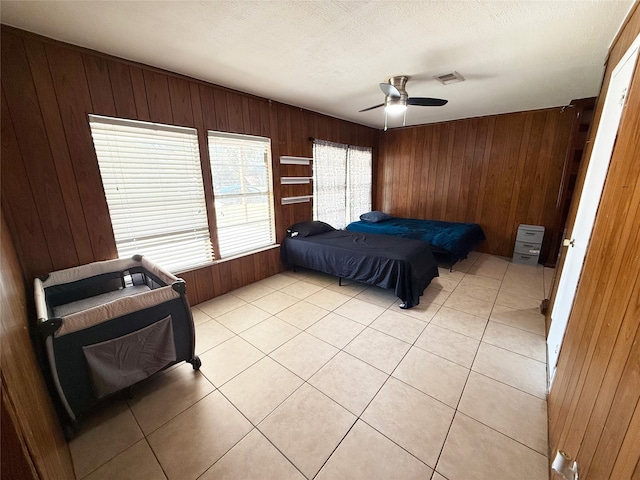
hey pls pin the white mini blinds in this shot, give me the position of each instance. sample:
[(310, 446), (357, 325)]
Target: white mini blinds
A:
[(153, 183), (242, 191)]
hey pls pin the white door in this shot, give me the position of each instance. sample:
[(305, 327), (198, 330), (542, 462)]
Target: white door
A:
[(589, 201)]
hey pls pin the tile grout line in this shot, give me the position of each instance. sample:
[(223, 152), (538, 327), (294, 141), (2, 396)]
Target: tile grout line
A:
[(358, 417), (528, 393), (465, 382)]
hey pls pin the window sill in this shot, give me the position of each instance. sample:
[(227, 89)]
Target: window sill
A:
[(227, 259)]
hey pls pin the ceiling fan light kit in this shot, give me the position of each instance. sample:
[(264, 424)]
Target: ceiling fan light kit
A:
[(395, 106), (397, 99)]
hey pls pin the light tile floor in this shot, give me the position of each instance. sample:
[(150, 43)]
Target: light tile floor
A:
[(302, 378)]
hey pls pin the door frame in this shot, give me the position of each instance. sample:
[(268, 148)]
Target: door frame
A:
[(602, 151)]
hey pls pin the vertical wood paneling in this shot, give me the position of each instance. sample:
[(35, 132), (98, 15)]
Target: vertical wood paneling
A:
[(234, 113), (217, 281), (15, 461), (17, 199), (476, 167), (26, 117), (225, 274), (247, 125), (248, 270), (525, 188), (59, 149), (203, 282), (99, 82), (220, 110), (122, 88), (66, 84), (594, 402), (265, 130), (440, 198), (74, 101), (497, 171), (21, 375), (628, 453), (158, 98), (520, 168), (180, 96), (466, 177), (295, 136), (139, 94), (457, 148)]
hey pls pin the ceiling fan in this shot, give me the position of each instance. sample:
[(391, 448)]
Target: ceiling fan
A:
[(397, 99)]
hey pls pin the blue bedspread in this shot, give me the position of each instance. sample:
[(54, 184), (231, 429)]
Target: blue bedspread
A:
[(455, 239)]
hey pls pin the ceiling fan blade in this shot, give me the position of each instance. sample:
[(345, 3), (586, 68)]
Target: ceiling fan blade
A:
[(389, 90), (371, 108), (426, 102)]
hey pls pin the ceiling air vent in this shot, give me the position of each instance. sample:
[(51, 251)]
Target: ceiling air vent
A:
[(449, 78)]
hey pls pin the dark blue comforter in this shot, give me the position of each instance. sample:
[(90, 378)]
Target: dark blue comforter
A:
[(406, 266), (455, 239)]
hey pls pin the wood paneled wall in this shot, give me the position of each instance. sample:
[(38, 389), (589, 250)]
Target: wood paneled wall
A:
[(52, 191), (497, 171), (27, 411), (594, 404)]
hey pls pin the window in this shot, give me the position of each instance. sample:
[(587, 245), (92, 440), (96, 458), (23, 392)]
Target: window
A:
[(341, 182), (153, 183), (243, 196)]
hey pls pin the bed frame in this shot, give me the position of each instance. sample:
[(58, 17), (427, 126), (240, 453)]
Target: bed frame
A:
[(404, 265)]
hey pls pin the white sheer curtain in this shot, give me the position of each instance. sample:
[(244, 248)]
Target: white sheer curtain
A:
[(341, 182), (358, 182)]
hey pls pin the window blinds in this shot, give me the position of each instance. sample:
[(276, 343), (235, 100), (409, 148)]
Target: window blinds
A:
[(243, 197), (153, 184)]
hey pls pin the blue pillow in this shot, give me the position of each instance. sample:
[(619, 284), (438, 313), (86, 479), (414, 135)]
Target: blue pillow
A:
[(375, 217), (307, 229)]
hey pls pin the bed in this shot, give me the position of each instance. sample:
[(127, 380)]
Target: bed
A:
[(404, 265), (108, 325), (453, 240)]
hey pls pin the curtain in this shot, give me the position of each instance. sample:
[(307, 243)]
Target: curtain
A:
[(341, 182)]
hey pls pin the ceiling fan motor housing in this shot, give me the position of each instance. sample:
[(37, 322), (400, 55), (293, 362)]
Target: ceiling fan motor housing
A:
[(400, 82), (392, 102)]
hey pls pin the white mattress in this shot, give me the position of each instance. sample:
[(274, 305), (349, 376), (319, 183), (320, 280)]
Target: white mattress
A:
[(90, 302)]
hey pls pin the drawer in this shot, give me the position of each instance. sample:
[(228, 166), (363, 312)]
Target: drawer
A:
[(530, 233), (528, 248), (525, 259)]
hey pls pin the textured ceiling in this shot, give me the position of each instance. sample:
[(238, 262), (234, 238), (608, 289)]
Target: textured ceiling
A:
[(329, 56)]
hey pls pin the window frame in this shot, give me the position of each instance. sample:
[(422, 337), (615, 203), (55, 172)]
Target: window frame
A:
[(250, 142), (175, 148)]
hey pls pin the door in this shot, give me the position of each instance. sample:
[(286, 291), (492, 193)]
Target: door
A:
[(589, 200)]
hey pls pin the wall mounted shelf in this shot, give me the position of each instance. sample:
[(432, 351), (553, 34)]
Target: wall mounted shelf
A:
[(284, 160), (300, 199), (295, 180)]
